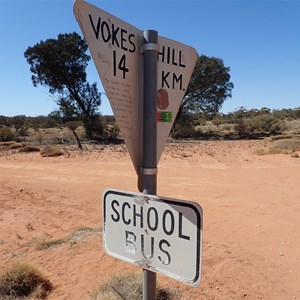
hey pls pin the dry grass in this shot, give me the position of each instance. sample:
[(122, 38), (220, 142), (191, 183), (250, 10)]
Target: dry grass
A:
[(261, 152), (43, 244), (22, 280), (286, 146), (128, 286), (281, 146), (29, 149), (7, 143), (284, 137), (16, 146), (3, 148), (78, 235), (51, 151)]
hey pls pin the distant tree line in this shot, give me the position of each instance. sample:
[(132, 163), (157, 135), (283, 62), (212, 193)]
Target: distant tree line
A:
[(247, 123)]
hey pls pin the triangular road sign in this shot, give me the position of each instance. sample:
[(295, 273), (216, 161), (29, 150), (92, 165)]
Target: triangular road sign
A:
[(115, 47)]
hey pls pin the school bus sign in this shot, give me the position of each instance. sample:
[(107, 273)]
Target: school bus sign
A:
[(159, 234)]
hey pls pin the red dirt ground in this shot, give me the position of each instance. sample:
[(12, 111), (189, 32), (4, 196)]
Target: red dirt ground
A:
[(251, 206)]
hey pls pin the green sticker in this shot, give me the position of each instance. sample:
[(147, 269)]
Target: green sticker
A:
[(164, 116)]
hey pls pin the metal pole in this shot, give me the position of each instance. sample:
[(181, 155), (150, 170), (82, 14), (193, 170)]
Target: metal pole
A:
[(149, 168)]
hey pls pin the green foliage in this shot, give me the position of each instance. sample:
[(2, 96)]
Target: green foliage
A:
[(287, 113), (282, 114), (18, 121), (267, 123), (209, 87), (60, 64), (6, 134), (93, 127), (22, 123)]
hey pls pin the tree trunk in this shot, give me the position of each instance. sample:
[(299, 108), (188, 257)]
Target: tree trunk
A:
[(77, 139)]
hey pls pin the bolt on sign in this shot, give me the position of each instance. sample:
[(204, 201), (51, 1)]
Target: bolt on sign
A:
[(159, 234), (115, 47)]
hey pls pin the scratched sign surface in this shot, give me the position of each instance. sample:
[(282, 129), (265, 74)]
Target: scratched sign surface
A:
[(159, 234), (115, 47)]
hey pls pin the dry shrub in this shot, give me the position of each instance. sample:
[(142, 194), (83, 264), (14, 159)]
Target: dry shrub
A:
[(44, 244), (80, 234), (22, 280), (286, 146), (39, 138), (284, 137), (51, 151), (128, 286), (6, 134), (261, 152), (16, 146), (281, 146), (7, 143), (29, 149)]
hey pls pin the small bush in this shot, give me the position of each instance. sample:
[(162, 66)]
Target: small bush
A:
[(183, 131), (128, 286), (265, 125), (6, 134), (111, 131), (285, 146), (22, 280), (39, 138), (29, 149), (22, 131), (51, 152)]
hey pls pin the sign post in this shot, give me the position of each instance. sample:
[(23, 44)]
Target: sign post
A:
[(148, 172), (145, 77)]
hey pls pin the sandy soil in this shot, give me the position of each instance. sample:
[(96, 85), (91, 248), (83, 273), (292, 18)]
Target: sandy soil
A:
[(251, 233)]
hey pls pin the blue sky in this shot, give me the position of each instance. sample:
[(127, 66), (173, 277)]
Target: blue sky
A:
[(258, 40)]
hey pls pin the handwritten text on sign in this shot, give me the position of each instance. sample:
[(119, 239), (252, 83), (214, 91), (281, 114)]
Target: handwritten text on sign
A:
[(107, 32), (115, 47)]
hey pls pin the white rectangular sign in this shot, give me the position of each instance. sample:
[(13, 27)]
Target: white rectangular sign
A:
[(159, 234)]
